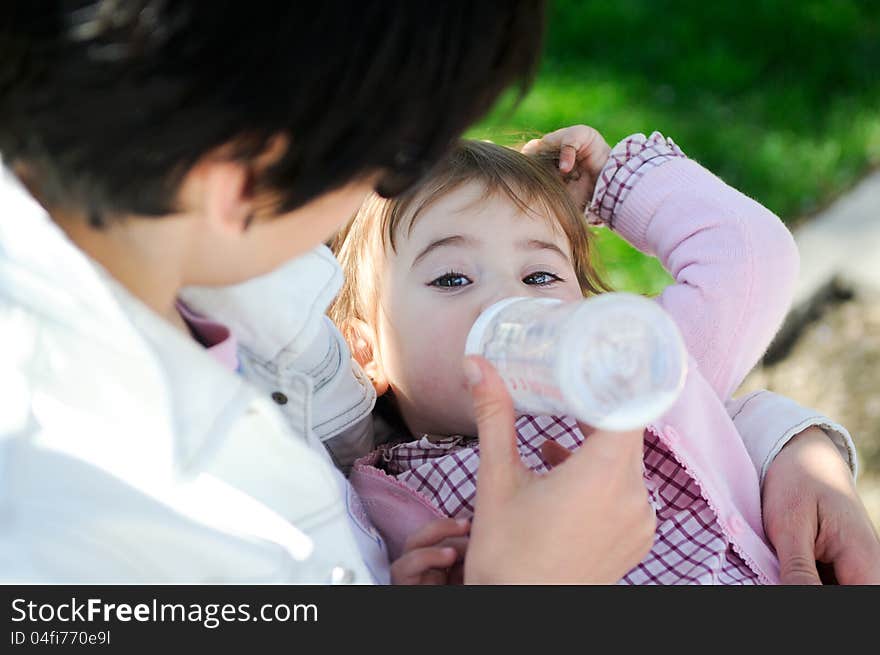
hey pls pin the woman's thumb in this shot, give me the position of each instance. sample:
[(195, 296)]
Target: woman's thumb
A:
[(500, 464), (612, 446)]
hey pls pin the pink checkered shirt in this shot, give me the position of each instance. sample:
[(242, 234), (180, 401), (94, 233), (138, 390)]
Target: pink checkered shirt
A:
[(689, 545)]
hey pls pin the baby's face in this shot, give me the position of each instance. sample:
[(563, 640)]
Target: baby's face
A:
[(465, 252)]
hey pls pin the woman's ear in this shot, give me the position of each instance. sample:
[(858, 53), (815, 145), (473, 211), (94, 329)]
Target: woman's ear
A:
[(362, 340), (221, 187), (221, 191)]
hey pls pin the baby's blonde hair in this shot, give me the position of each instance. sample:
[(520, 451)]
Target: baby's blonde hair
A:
[(527, 181)]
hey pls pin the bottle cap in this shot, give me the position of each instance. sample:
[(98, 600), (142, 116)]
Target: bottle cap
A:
[(634, 369)]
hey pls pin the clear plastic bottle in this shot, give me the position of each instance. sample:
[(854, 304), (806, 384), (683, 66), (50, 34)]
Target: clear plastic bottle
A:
[(616, 361)]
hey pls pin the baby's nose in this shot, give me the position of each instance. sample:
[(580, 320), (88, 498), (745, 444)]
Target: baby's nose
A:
[(505, 291)]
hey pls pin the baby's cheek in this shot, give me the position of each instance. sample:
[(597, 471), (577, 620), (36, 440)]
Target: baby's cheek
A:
[(444, 403), (436, 387), (428, 364), (440, 357)]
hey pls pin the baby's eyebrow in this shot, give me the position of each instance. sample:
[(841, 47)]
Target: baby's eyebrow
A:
[(454, 240), (537, 244)]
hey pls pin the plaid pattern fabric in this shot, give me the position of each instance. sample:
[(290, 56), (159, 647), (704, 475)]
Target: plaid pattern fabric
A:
[(689, 545), (628, 162)]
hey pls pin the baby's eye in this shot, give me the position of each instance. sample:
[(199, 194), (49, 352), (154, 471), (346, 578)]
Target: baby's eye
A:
[(542, 278), (450, 281)]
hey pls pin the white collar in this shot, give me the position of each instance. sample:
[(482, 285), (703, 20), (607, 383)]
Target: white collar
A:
[(279, 311)]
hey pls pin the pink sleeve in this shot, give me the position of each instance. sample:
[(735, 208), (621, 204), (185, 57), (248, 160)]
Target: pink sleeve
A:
[(734, 264)]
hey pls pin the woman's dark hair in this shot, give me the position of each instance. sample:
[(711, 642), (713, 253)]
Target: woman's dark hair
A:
[(112, 101)]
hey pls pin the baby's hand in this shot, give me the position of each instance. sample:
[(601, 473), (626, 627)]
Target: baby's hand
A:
[(582, 153), (434, 555)]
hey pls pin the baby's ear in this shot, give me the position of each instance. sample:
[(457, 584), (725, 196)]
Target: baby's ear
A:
[(362, 341)]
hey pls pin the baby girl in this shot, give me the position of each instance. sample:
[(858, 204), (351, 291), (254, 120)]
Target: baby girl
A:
[(491, 222)]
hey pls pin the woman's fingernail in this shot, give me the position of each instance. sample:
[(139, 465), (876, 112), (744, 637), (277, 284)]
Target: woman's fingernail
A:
[(462, 523), (472, 372)]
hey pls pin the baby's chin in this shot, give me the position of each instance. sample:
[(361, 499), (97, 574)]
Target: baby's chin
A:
[(445, 409), (447, 426)]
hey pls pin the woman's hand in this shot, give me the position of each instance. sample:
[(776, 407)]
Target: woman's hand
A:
[(586, 521), (582, 153), (433, 555), (812, 513)]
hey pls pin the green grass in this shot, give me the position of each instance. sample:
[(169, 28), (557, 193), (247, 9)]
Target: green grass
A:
[(781, 98)]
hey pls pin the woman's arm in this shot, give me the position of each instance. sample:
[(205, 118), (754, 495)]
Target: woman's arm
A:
[(767, 422), (811, 509)]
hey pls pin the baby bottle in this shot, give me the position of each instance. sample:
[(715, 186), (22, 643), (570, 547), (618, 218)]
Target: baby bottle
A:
[(616, 361)]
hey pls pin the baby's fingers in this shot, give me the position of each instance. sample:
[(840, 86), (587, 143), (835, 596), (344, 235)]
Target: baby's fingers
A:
[(554, 146), (423, 566), (568, 155), (572, 143), (533, 147), (431, 534)]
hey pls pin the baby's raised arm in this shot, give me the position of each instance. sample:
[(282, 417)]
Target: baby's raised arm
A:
[(734, 262)]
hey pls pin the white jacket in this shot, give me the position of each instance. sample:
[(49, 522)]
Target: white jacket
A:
[(127, 454)]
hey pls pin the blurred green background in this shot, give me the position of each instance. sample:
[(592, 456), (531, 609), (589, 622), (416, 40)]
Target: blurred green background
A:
[(780, 98)]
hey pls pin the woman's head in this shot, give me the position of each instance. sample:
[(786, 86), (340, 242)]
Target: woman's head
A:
[(109, 107), (488, 223)]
